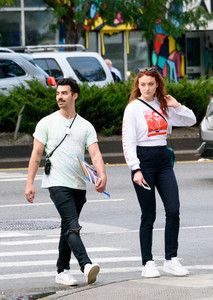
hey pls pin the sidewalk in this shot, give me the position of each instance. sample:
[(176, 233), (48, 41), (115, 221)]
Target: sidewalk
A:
[(196, 286)]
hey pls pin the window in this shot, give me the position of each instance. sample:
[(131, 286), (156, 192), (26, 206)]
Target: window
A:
[(37, 28), (10, 68), (31, 3), (87, 68), (193, 52), (10, 28), (50, 66)]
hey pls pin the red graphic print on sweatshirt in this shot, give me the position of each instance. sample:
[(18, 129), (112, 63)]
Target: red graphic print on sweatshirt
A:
[(156, 124)]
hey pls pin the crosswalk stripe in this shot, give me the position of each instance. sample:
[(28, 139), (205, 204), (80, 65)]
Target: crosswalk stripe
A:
[(52, 262), (103, 271), (18, 179), (51, 203), (12, 234), (43, 252), (29, 253), (29, 242)]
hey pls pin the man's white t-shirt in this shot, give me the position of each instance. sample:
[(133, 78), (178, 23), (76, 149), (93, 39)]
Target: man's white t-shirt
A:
[(65, 168)]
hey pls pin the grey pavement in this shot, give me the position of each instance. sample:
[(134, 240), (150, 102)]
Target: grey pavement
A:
[(196, 286)]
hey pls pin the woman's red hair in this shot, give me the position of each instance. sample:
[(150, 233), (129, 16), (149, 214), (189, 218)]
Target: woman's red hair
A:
[(160, 91)]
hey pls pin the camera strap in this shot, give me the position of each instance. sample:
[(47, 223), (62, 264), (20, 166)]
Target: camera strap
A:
[(51, 153)]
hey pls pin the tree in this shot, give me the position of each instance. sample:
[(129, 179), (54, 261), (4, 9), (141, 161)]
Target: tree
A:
[(6, 2), (142, 13)]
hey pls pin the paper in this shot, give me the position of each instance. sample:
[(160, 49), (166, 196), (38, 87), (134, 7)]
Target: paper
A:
[(90, 172)]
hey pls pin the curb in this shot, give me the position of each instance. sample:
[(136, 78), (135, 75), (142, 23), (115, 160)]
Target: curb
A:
[(112, 152)]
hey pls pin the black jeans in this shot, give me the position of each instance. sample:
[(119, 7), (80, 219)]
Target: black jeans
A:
[(155, 163), (69, 203)]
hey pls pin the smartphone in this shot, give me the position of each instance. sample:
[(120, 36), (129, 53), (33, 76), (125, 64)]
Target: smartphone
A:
[(146, 186)]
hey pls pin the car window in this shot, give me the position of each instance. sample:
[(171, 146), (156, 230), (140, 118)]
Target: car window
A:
[(10, 69), (87, 68), (42, 64), (1, 73), (50, 66)]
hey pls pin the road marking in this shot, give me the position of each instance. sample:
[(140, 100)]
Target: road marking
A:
[(51, 203), (110, 165), (13, 234), (16, 243), (52, 262), (18, 179), (28, 253), (110, 270), (33, 242), (188, 227)]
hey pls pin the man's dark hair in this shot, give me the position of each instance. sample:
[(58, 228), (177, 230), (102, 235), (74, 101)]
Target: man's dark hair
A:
[(71, 82)]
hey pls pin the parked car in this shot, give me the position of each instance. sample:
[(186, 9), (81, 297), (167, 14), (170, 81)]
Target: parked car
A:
[(50, 80), (15, 70), (81, 65), (206, 132)]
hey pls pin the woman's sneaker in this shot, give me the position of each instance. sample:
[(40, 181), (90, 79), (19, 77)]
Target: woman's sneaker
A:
[(174, 267), (66, 278), (150, 270), (90, 272)]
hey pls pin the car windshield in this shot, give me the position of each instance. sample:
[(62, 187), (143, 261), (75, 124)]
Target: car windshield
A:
[(87, 68)]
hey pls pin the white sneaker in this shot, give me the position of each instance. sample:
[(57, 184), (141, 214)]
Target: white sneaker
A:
[(150, 270), (174, 267), (91, 271), (66, 278)]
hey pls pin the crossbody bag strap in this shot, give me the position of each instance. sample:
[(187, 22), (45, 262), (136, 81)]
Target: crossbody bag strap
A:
[(153, 109), (51, 153)]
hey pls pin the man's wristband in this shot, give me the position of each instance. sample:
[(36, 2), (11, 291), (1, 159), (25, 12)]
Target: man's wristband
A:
[(134, 171)]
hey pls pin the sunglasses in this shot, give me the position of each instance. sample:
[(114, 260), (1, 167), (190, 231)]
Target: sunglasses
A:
[(147, 69)]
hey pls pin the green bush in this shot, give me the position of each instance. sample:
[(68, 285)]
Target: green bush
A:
[(38, 101), (193, 94), (103, 107)]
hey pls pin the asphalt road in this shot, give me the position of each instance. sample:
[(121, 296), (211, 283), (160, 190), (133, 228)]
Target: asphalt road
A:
[(29, 233)]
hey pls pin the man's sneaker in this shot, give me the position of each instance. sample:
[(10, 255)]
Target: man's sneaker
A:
[(66, 278), (174, 267), (150, 270), (91, 271)]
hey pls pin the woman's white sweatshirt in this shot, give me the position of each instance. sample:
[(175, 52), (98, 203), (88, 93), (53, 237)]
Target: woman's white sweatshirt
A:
[(144, 127)]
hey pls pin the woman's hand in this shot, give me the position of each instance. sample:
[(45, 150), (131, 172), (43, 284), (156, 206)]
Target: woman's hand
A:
[(138, 178), (171, 101)]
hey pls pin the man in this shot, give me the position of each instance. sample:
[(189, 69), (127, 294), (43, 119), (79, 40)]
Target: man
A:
[(66, 187), (116, 74)]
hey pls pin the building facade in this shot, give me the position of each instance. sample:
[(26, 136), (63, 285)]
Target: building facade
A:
[(28, 22)]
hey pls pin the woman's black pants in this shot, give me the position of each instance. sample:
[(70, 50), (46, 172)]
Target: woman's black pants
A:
[(155, 163)]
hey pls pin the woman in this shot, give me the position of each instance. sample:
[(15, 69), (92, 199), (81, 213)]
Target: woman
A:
[(144, 144)]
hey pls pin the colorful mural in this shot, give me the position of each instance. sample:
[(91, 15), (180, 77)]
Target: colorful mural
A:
[(105, 28), (167, 56)]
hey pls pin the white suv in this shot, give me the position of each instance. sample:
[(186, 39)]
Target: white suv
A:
[(15, 70), (81, 65)]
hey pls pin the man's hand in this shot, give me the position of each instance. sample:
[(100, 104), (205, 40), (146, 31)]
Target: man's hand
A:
[(30, 193), (101, 184), (98, 164), (38, 149)]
